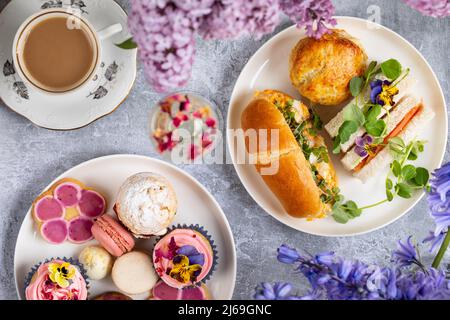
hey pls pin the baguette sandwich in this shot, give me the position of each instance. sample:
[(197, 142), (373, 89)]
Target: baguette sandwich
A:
[(305, 182)]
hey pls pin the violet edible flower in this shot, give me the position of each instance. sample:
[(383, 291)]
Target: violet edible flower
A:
[(364, 146)]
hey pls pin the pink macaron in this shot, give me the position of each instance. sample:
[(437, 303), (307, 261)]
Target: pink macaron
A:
[(112, 236)]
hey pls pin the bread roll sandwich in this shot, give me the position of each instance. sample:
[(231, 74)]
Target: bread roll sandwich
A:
[(305, 182), (405, 120)]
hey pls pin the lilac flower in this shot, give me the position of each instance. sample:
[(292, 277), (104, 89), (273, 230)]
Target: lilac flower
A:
[(433, 8), (278, 291), (166, 42), (287, 255), (439, 203), (364, 145), (314, 15), (232, 19), (406, 254)]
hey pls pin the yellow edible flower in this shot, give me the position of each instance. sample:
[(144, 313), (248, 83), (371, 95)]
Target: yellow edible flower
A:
[(182, 271), (61, 273), (387, 94)]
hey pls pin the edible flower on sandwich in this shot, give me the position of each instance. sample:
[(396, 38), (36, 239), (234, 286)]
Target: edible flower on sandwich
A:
[(365, 146), (383, 92), (61, 273)]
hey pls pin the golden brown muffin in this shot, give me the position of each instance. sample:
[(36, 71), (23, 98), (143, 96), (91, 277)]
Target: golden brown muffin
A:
[(321, 69)]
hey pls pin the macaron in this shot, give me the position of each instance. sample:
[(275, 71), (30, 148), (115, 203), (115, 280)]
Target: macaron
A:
[(133, 273), (112, 236)]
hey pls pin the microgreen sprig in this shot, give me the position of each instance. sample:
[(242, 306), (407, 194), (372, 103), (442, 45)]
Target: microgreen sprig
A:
[(403, 179)]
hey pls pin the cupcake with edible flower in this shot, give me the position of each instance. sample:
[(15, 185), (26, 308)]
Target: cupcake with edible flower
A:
[(185, 257), (56, 279)]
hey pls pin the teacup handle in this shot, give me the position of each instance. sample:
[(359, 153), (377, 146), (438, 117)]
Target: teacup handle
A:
[(109, 31)]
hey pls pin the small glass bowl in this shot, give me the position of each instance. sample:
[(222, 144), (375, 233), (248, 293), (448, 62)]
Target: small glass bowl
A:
[(185, 127)]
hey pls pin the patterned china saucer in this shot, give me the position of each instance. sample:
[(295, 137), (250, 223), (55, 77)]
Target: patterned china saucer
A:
[(100, 97)]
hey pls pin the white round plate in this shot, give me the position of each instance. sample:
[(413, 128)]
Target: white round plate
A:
[(268, 69), (106, 174), (101, 96)]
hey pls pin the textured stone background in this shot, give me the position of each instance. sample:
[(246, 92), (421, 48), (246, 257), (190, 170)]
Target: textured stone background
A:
[(30, 157)]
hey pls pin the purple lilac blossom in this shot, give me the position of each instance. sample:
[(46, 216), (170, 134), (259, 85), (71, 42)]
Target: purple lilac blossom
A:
[(164, 30), (433, 8), (314, 15), (439, 204), (335, 278), (231, 19)]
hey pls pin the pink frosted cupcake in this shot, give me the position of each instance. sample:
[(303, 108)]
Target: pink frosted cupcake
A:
[(56, 279), (185, 257)]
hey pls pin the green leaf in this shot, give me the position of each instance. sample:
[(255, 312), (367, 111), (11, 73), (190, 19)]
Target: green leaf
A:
[(346, 130), (408, 172), (373, 112), (370, 69), (128, 44), (404, 190), (389, 195), (389, 184), (422, 176), (391, 68), (356, 85), (352, 209), (396, 168), (375, 128), (337, 145), (317, 122), (354, 113), (340, 215)]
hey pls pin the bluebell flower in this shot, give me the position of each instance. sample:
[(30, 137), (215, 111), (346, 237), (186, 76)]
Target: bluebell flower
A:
[(439, 204), (406, 254), (435, 240), (326, 258), (287, 255), (277, 291)]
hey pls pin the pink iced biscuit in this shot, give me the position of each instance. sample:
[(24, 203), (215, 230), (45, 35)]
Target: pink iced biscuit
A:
[(66, 211), (161, 291), (169, 247), (42, 288), (112, 236)]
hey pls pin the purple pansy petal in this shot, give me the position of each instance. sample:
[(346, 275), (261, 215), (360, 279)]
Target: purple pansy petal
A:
[(361, 151), (187, 250), (360, 142), (368, 139), (197, 259), (375, 83), (374, 94)]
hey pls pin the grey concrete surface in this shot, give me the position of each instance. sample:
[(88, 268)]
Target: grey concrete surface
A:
[(30, 157)]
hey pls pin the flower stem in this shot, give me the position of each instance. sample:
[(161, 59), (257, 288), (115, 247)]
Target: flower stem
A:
[(441, 252), (374, 205)]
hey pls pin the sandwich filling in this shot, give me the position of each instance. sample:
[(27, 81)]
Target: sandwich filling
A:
[(305, 124), (394, 133)]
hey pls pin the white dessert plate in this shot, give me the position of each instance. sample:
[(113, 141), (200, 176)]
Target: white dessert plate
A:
[(268, 69), (103, 94), (106, 174)]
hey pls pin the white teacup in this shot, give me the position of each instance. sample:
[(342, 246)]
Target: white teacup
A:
[(74, 20)]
